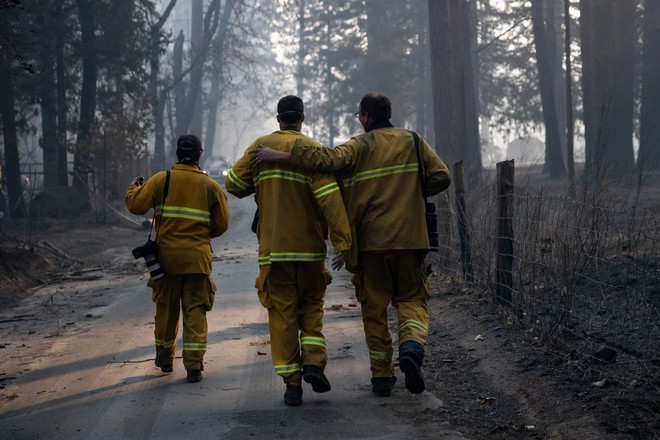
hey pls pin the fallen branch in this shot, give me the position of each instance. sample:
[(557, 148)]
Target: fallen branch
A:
[(58, 251), (82, 277), (137, 362), (131, 362), (51, 296), (15, 318), (108, 205), (84, 270)]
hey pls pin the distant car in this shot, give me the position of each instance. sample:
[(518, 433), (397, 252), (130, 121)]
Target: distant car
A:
[(217, 168)]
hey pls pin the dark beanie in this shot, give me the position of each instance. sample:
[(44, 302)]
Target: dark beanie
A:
[(188, 146), (290, 104)]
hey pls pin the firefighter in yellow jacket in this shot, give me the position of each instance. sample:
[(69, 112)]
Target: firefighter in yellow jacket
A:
[(190, 210), (383, 196), (296, 207)]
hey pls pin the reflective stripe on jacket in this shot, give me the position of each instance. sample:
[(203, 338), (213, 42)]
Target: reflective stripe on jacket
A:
[(381, 185), (296, 207), (195, 211)]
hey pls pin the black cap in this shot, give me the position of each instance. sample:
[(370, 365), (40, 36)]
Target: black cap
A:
[(290, 104), (188, 146)]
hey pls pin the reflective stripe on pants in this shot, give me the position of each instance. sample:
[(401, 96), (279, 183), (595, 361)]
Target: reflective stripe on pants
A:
[(399, 278), (194, 295), (293, 294)]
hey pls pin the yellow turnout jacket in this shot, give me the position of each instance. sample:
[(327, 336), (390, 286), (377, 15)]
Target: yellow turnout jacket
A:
[(195, 211), (296, 207), (381, 185)]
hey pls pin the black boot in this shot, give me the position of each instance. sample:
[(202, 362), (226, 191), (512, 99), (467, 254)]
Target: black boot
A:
[(382, 386), (164, 365), (293, 395), (411, 354), (194, 376), (314, 376)]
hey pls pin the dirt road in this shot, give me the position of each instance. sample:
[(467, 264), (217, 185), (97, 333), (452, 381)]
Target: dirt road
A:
[(77, 363)]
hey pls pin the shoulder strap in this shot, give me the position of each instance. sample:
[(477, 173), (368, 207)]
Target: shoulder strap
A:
[(420, 169), (165, 190), (167, 186)]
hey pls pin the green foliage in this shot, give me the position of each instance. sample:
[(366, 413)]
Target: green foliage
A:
[(339, 56), (508, 78), (122, 98)]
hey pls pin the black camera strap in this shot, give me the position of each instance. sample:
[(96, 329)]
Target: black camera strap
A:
[(165, 190), (429, 208), (420, 169)]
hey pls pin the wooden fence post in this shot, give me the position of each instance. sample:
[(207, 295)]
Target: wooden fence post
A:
[(504, 260), (445, 226), (463, 230)]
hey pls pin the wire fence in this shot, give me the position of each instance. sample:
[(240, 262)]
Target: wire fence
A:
[(578, 266)]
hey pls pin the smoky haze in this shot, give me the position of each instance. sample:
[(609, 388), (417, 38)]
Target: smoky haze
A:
[(544, 301), (98, 91)]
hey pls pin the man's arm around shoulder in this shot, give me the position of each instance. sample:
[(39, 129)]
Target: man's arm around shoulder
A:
[(310, 156), (240, 181)]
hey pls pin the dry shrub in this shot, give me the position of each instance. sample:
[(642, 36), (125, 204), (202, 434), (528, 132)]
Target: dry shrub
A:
[(586, 266)]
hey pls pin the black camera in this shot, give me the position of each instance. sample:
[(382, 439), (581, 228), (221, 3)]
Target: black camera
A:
[(149, 251), (432, 226)]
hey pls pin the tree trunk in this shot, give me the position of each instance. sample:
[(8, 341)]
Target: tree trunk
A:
[(194, 98), (444, 99), (613, 75), (197, 74), (554, 164), (62, 111), (603, 57), (377, 77), (622, 159), (157, 104), (649, 143), (470, 140), (82, 156), (588, 92), (300, 74), (49, 142), (570, 160), (330, 84), (215, 97), (16, 202), (554, 20), (422, 78), (454, 97), (48, 104), (179, 90)]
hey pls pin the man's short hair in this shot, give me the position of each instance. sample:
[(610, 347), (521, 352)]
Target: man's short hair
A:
[(377, 105), (290, 109), (188, 146)]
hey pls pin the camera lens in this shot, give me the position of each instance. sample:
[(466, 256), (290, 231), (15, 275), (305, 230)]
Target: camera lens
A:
[(155, 269)]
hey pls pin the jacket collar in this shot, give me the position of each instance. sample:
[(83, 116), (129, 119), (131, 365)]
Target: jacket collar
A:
[(380, 124), (187, 167)]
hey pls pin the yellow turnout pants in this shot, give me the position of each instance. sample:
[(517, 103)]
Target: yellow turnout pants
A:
[(399, 278), (194, 295), (293, 292)]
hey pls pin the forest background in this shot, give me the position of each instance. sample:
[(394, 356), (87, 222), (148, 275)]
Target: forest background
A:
[(562, 242), (96, 90)]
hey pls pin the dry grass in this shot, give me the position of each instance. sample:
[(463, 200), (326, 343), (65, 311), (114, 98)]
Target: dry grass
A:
[(586, 265)]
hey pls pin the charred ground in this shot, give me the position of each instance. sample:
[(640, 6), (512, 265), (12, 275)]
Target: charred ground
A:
[(494, 376)]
